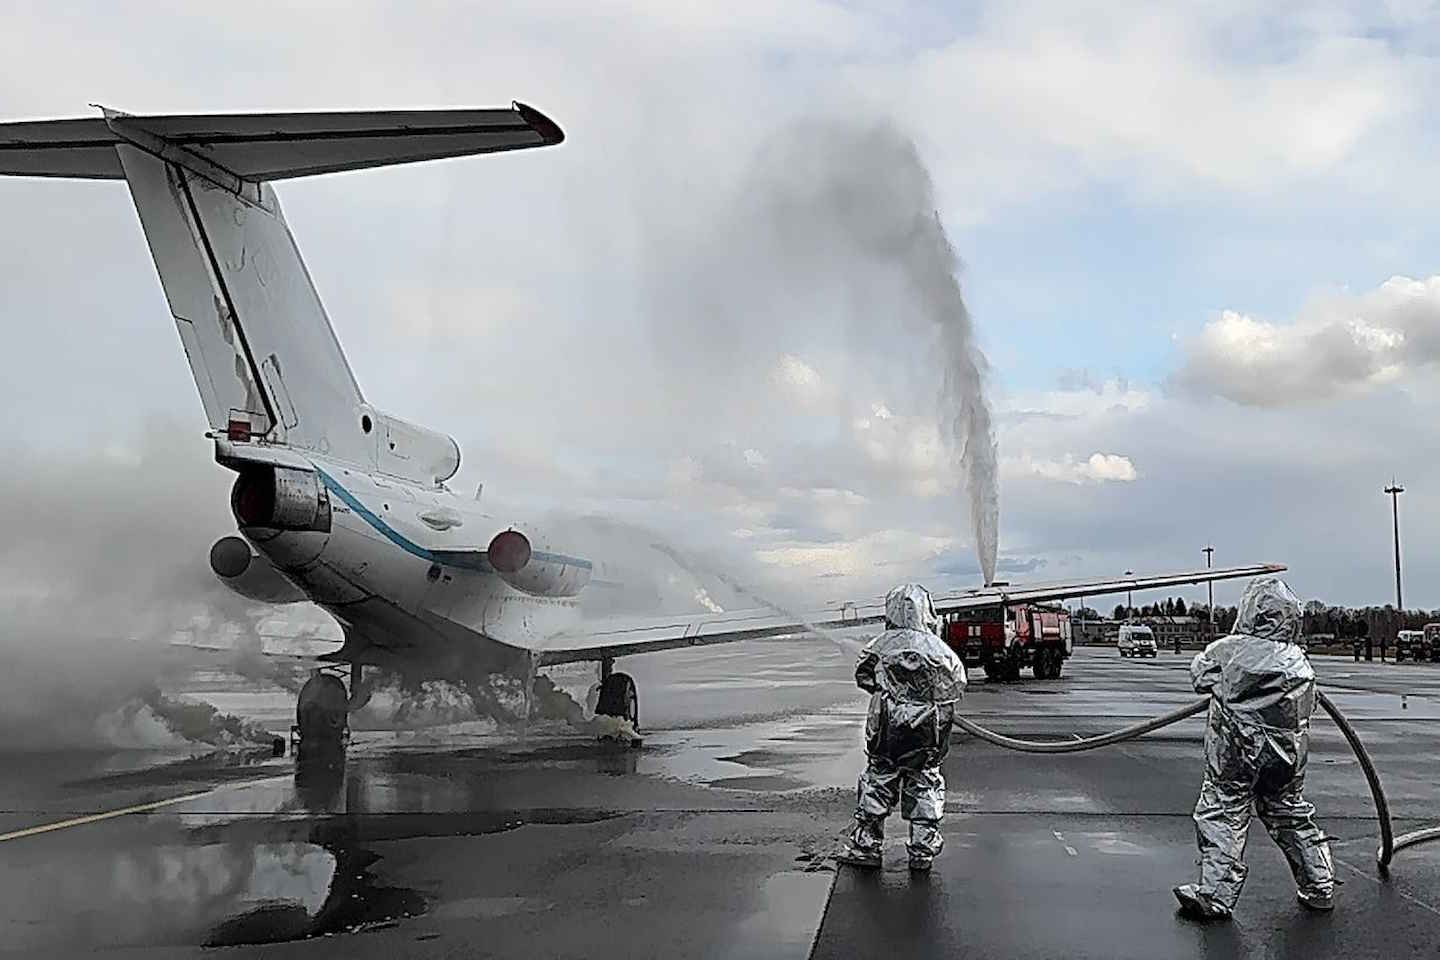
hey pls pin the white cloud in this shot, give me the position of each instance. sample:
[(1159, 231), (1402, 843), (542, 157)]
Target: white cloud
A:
[(1157, 99), (702, 597), (797, 376), (1080, 395), (1337, 342), (685, 472), (755, 458), (1097, 468), (862, 557)]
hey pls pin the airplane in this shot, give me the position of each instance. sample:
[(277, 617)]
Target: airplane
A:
[(335, 500)]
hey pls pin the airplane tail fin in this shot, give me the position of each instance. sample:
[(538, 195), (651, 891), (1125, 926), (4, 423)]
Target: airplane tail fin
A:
[(264, 356)]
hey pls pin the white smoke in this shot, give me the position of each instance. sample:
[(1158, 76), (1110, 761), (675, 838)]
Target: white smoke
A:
[(496, 699), (136, 726), (103, 566)]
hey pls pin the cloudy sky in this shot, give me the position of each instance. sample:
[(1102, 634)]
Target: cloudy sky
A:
[(1199, 244)]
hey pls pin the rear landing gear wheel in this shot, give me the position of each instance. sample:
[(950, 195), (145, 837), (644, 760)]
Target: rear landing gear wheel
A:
[(321, 712), (618, 698)]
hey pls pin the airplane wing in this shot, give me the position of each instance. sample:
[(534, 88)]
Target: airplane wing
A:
[(1078, 589), (626, 637), (311, 654), (604, 639)]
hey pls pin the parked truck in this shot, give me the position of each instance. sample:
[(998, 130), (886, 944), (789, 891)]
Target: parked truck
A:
[(1002, 641), (1409, 645), (1419, 645)]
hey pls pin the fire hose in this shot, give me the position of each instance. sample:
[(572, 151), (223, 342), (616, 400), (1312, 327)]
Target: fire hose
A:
[(1389, 843)]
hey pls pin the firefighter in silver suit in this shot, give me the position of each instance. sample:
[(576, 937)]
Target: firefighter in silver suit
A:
[(914, 680), (1262, 692)]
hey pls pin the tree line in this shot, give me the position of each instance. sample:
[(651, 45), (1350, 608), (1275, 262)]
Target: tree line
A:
[(1364, 622), (1320, 617)]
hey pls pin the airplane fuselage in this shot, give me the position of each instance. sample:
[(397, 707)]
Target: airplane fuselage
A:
[(406, 570)]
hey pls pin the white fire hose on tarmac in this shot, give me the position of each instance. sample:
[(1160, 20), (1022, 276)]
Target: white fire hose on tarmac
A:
[(1389, 843)]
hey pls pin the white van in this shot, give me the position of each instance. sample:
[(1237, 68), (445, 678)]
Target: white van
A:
[(1137, 641)]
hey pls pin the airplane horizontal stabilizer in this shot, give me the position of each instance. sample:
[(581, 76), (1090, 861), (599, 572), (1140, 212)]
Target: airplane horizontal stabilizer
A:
[(256, 147)]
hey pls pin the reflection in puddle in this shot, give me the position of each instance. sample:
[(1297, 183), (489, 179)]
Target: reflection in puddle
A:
[(211, 893), (216, 889), (785, 926), (320, 778), (161, 894), (352, 901)]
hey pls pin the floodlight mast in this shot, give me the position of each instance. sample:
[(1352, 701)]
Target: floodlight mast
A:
[(1210, 587), (1394, 490)]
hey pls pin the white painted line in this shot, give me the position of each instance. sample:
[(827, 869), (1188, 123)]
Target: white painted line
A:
[(97, 817), (1380, 883)]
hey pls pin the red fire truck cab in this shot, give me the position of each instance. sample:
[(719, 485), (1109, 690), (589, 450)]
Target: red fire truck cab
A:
[(1004, 640)]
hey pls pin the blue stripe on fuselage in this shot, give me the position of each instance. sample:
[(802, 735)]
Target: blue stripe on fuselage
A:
[(465, 559)]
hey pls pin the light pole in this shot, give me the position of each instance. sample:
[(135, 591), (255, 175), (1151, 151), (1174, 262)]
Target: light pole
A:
[(1129, 600), (1394, 490), (1210, 588)]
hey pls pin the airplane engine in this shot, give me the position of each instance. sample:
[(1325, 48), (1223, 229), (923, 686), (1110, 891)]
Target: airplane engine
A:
[(280, 498), (243, 570), (536, 573), (411, 451)]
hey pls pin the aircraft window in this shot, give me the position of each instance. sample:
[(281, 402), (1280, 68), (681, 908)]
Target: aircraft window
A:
[(365, 423)]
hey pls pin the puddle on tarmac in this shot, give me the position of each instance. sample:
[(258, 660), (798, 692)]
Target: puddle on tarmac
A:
[(761, 782), (216, 894), (813, 750), (224, 877), (1113, 844), (785, 926), (353, 901)]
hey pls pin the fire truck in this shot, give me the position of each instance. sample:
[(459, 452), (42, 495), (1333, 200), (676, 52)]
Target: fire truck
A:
[(1002, 641)]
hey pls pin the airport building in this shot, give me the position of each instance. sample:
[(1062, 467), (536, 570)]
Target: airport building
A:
[(1188, 630), (1191, 631)]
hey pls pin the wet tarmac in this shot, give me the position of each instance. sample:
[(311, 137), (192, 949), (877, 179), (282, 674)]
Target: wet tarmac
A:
[(710, 839)]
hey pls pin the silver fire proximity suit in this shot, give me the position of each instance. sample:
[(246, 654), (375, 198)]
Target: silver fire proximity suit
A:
[(914, 680), (1262, 691)]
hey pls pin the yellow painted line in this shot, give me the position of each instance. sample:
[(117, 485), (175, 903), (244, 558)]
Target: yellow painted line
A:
[(97, 817)]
